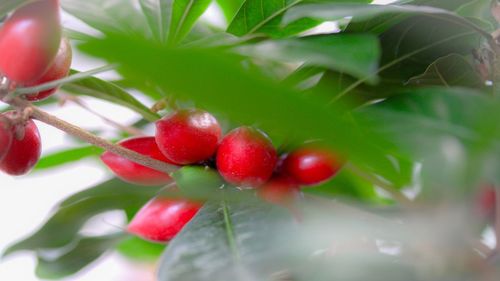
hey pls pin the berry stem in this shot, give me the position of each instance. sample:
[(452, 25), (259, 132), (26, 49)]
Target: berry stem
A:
[(84, 135), (389, 188)]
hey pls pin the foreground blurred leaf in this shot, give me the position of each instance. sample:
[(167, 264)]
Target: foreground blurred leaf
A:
[(455, 133), (355, 54), (230, 7), (225, 242), (66, 156), (97, 88), (81, 254), (140, 250), (216, 81), (62, 227)]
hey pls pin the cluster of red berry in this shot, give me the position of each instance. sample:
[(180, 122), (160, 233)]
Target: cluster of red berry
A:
[(32, 52), (245, 158)]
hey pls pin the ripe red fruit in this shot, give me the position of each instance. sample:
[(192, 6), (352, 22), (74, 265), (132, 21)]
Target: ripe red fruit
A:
[(246, 157), (311, 165), (58, 70), (132, 172), (279, 190), (188, 136), (29, 40), (23, 153), (5, 138), (486, 202), (161, 219)]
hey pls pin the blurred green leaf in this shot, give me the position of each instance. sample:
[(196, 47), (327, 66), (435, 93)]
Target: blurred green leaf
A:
[(109, 15), (66, 156), (62, 227), (184, 15), (95, 87), (452, 70), (216, 80), (480, 10), (140, 250), (198, 182), (8, 5), (81, 254), (225, 242), (355, 54), (158, 14)]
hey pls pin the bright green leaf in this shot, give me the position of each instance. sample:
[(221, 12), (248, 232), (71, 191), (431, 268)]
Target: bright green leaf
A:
[(184, 16), (66, 156)]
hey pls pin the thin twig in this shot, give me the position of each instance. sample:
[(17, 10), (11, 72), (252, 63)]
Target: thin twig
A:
[(82, 134)]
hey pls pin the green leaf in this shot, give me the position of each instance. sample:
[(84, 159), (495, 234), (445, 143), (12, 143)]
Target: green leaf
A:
[(255, 14), (8, 5), (62, 227), (95, 87), (158, 14), (247, 97), (230, 7), (66, 156), (109, 15), (185, 13), (354, 54), (452, 70), (198, 182), (359, 12), (70, 261), (479, 10), (225, 242), (140, 250)]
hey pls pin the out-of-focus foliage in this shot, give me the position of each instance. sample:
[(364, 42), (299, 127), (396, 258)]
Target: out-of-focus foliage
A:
[(407, 92)]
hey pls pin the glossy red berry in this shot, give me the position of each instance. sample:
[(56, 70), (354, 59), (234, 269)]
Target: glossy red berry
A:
[(132, 172), (279, 190), (311, 165), (58, 70), (24, 152), (5, 138), (188, 136), (246, 157), (29, 40), (161, 219)]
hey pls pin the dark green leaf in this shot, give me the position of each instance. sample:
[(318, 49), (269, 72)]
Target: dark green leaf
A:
[(184, 16), (198, 182), (101, 89), (62, 227), (452, 70), (226, 242), (354, 54), (66, 156), (70, 261)]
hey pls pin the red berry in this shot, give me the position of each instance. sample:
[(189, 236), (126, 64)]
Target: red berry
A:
[(246, 157), (132, 172), (23, 153), (161, 219), (311, 165), (58, 70), (279, 190), (486, 202), (29, 40), (5, 138), (188, 136)]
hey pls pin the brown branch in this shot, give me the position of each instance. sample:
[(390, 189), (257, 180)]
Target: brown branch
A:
[(84, 135)]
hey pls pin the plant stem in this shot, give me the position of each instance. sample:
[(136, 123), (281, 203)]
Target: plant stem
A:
[(84, 135), (395, 194)]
